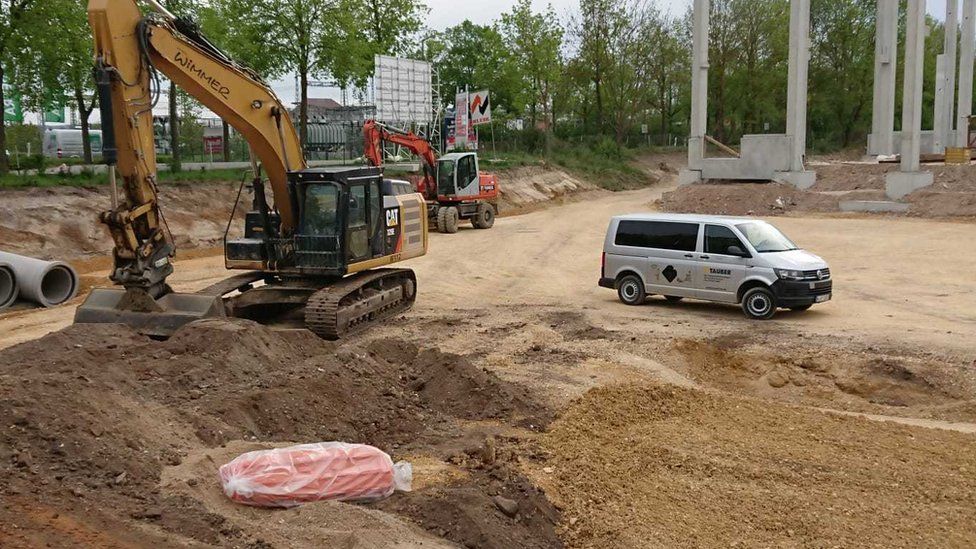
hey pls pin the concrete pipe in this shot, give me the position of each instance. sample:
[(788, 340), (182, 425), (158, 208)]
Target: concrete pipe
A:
[(8, 286), (48, 283)]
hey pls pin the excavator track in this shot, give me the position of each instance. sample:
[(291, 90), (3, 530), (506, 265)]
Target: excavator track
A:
[(356, 302)]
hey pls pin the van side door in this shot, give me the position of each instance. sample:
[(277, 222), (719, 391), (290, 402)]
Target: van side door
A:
[(721, 272), (666, 252)]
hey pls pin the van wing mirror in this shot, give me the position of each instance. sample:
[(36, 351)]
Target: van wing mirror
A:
[(737, 251)]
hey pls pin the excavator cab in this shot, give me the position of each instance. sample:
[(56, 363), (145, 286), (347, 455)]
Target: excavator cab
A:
[(457, 176), (345, 216)]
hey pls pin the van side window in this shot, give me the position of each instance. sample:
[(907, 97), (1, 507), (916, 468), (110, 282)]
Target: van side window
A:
[(718, 239), (682, 237)]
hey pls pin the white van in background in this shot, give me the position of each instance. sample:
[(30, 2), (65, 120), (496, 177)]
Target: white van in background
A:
[(67, 143), (714, 258)]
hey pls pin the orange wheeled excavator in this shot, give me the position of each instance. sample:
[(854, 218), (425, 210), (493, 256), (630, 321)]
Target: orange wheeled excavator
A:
[(452, 185), (312, 249)]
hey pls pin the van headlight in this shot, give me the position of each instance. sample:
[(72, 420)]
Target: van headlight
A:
[(788, 274)]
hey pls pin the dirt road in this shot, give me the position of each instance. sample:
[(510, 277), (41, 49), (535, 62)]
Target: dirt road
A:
[(898, 281)]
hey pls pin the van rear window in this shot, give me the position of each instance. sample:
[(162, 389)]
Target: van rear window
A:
[(662, 235)]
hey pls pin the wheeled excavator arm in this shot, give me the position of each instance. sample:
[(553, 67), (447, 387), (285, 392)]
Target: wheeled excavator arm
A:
[(376, 133), (130, 47)]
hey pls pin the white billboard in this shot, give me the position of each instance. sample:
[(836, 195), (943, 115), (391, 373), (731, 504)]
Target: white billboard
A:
[(480, 108), (402, 90), (461, 121)]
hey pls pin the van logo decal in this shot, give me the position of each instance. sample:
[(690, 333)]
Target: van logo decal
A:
[(670, 273)]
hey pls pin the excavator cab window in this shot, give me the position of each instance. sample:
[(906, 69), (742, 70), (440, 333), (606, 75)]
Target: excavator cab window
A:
[(321, 210), (445, 177), (467, 173), (357, 232)]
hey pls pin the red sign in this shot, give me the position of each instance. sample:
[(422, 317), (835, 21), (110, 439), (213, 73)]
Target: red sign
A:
[(213, 144)]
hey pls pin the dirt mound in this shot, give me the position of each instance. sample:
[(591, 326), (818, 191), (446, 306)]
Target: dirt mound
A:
[(62, 222), (653, 466), (746, 199), (97, 414), (535, 185), (952, 195), (848, 378)]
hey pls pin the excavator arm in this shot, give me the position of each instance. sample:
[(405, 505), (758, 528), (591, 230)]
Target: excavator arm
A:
[(131, 48), (376, 133)]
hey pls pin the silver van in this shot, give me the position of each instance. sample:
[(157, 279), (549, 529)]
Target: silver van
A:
[(715, 258)]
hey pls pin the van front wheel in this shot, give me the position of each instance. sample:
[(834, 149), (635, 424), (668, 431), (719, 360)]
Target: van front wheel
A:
[(630, 290), (759, 304)]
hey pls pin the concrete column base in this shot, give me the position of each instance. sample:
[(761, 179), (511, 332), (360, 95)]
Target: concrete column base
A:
[(800, 180), (901, 184), (688, 177)]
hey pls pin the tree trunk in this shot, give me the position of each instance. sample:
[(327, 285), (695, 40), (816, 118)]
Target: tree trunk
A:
[(226, 140), (175, 164), (303, 109), (4, 161), (599, 101), (83, 114)]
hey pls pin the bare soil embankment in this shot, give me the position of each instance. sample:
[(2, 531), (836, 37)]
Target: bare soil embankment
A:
[(97, 416), (655, 466), (62, 222), (953, 195)]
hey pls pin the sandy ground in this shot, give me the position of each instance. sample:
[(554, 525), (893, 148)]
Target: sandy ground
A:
[(520, 302), (887, 291)]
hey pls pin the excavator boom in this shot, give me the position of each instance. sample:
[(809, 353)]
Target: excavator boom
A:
[(316, 249), (129, 50)]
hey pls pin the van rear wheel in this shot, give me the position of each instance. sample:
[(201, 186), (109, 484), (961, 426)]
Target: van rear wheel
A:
[(759, 304), (630, 290)]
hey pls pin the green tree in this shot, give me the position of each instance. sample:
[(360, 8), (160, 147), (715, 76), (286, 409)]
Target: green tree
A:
[(841, 69), (72, 59), (218, 21), (535, 41), (476, 56), (24, 23)]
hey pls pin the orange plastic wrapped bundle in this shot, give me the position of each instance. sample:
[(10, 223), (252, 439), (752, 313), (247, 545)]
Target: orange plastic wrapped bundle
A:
[(287, 477)]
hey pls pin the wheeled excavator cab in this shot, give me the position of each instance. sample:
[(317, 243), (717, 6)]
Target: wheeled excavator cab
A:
[(457, 176)]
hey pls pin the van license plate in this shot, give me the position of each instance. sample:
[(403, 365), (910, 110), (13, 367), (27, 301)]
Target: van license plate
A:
[(823, 298)]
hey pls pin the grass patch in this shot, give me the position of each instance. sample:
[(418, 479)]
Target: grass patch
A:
[(89, 179), (602, 163)]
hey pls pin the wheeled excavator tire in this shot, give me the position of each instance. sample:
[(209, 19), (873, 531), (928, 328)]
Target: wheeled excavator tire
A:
[(484, 218), (448, 219), (356, 302)]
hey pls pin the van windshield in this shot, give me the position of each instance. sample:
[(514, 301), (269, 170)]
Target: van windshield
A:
[(765, 238)]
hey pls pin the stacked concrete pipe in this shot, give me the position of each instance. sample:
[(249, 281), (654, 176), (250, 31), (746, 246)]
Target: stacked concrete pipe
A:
[(8, 286), (48, 283)]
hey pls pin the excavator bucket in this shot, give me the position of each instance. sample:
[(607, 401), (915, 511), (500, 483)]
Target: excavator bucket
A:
[(158, 318)]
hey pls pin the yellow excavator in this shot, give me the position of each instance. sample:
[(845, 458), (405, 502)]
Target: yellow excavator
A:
[(313, 252)]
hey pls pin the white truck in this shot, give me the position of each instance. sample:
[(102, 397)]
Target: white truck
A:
[(67, 143)]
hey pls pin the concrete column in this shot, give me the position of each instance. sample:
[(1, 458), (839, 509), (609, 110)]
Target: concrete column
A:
[(945, 96), (796, 95), (939, 130), (899, 184), (967, 53), (699, 92), (885, 64)]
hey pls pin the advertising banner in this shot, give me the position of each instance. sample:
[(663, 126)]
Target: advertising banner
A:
[(461, 123), (480, 108)]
